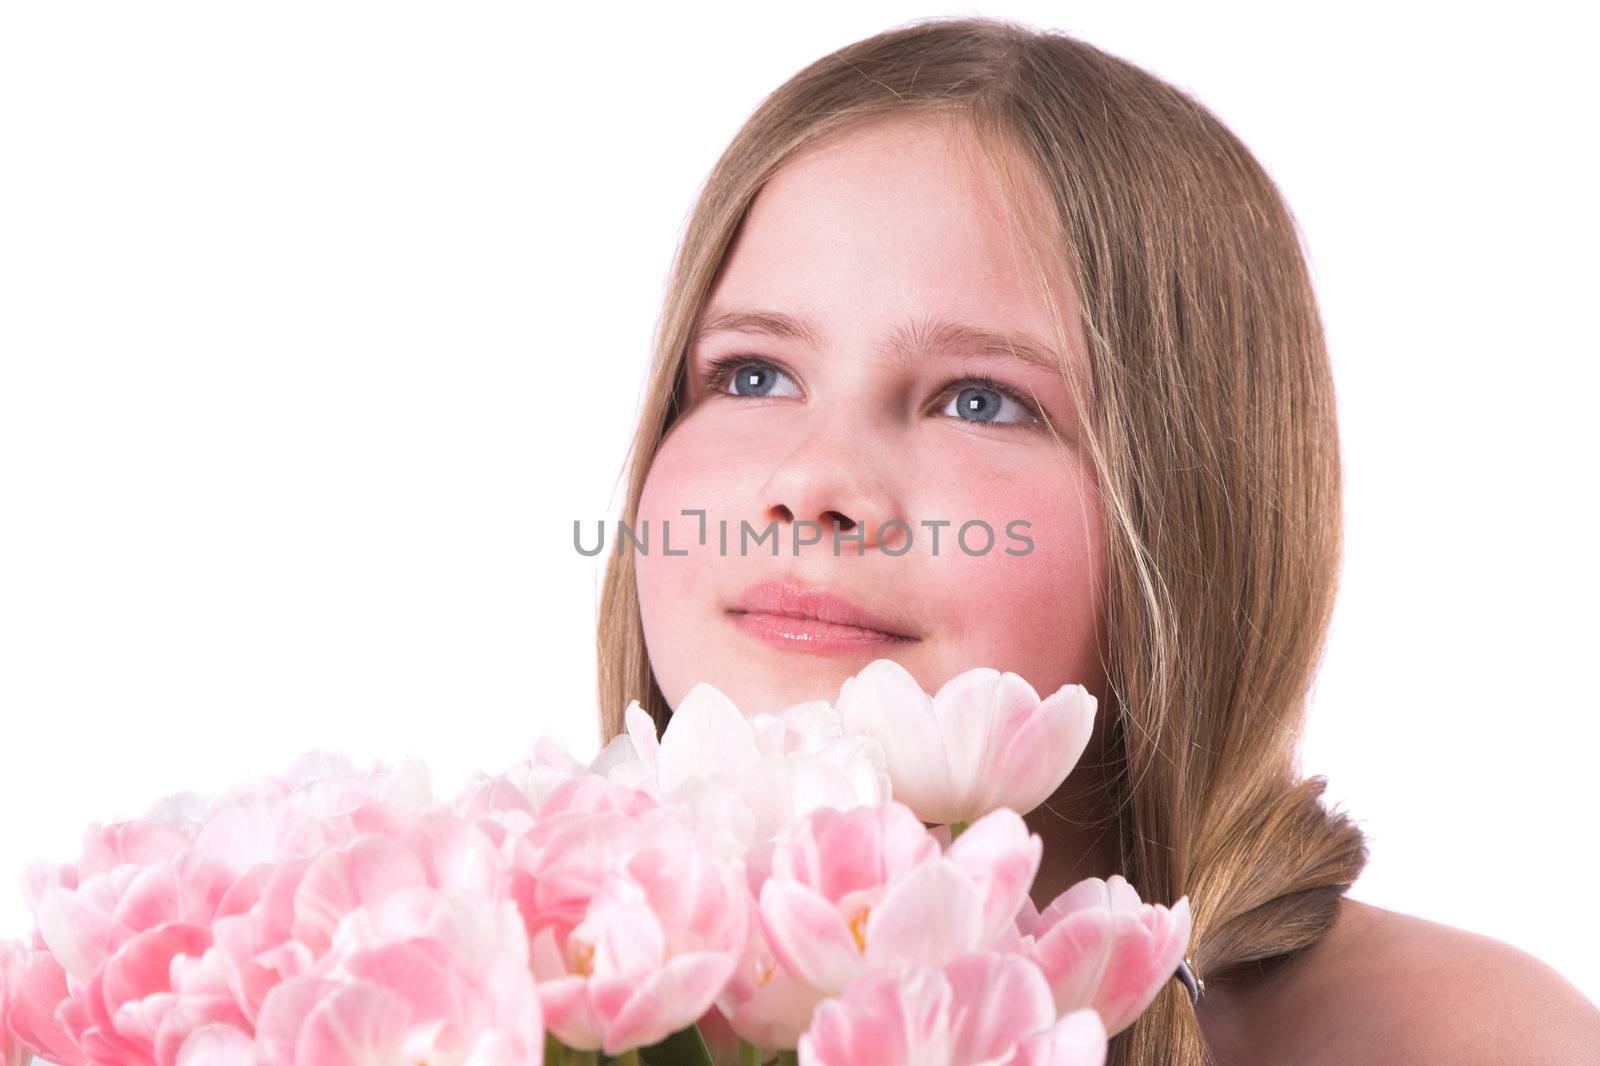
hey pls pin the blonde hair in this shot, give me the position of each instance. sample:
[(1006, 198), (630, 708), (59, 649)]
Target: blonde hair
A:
[(1213, 435)]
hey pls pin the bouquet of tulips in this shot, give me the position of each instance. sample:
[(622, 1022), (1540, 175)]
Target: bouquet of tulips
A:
[(841, 882)]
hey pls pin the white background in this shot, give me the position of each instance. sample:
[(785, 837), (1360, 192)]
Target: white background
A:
[(320, 323)]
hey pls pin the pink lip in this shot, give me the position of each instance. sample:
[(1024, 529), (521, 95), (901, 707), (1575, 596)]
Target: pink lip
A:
[(794, 616)]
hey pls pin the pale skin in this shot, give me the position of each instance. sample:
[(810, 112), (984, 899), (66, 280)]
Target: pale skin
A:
[(872, 232), (882, 229)]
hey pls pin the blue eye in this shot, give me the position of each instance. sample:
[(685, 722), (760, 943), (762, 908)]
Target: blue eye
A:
[(984, 400), (746, 376), (984, 403)]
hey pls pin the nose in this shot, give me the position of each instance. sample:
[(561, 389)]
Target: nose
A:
[(834, 479)]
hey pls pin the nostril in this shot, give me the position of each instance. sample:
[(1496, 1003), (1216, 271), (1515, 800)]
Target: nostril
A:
[(842, 521)]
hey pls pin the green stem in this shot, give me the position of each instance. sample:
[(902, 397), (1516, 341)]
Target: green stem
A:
[(789, 1058), (686, 1047), (749, 1054), (956, 829), (627, 1058), (555, 1052)]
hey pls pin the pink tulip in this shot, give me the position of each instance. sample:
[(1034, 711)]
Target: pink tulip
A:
[(589, 794), (745, 779), (39, 985), (277, 922), (405, 949), (635, 922), (164, 929), (763, 1002), (1100, 946), (984, 741), (512, 797), (738, 870), (105, 991), (987, 1008), (12, 957), (419, 975), (858, 890), (323, 801)]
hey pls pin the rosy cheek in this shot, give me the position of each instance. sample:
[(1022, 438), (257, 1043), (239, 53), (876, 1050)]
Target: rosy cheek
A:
[(690, 472), (1032, 612), (671, 487)]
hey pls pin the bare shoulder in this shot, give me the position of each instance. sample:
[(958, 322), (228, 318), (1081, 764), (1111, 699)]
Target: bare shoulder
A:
[(1390, 988)]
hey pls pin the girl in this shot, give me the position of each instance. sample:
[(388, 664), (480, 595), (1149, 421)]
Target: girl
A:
[(964, 276)]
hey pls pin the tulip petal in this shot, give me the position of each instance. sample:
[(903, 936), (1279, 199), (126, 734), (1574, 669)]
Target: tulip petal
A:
[(1001, 857), (1143, 958), (930, 915), (217, 1045), (142, 965), (670, 999), (973, 711), (887, 1019), (414, 973), (1036, 753), (564, 1002), (884, 702), (808, 936), (78, 933), (1077, 1039), (707, 730), (775, 1012), (1004, 996), (358, 1025), (1073, 954)]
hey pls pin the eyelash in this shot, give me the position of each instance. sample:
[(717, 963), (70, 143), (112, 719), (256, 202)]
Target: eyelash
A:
[(720, 369)]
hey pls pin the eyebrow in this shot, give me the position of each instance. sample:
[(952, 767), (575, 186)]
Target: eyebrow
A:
[(930, 338)]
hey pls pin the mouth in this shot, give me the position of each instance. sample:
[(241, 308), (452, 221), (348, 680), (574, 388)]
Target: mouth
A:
[(796, 617)]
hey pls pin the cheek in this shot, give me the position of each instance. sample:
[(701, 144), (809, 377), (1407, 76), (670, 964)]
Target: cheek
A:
[(686, 473), (674, 483), (690, 470), (1036, 614)]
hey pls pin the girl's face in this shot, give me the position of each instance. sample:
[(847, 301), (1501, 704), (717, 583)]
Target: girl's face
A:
[(869, 284)]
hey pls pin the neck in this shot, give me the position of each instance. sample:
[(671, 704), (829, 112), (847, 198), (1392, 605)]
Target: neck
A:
[(1077, 828)]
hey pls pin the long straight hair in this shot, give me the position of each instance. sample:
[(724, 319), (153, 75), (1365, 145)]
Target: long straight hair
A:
[(1212, 430)]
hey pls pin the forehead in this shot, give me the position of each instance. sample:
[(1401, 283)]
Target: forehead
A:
[(900, 218)]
